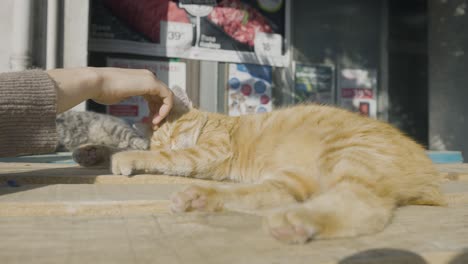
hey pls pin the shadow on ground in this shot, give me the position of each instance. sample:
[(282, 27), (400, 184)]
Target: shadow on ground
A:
[(396, 256)]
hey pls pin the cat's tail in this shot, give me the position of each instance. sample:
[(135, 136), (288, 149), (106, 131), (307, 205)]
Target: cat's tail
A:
[(426, 195)]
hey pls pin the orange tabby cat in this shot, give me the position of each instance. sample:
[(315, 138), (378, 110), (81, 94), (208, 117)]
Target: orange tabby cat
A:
[(327, 172)]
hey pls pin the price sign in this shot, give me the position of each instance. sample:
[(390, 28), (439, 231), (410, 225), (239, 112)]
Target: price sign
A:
[(174, 34), (268, 44)]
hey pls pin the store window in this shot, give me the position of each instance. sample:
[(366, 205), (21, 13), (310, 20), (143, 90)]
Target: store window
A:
[(252, 56)]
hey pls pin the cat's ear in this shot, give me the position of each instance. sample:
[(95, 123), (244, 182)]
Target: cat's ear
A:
[(181, 99)]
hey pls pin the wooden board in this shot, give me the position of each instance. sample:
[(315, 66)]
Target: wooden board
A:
[(64, 214)]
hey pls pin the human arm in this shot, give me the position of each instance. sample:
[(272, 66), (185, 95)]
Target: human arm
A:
[(27, 113), (111, 85), (30, 101)]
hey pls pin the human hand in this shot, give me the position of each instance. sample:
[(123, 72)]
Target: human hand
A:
[(117, 84), (111, 85)]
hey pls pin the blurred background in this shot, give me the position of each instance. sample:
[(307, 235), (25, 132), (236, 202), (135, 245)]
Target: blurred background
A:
[(402, 61)]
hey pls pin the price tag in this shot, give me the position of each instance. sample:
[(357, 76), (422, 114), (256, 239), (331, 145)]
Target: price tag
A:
[(268, 44), (175, 34)]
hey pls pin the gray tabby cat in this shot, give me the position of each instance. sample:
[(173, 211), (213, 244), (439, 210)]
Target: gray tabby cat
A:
[(94, 137)]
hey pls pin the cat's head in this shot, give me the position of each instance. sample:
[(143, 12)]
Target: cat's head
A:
[(182, 126)]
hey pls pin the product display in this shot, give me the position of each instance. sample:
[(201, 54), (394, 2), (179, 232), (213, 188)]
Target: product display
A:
[(238, 31), (249, 89), (239, 21), (358, 91), (314, 83)]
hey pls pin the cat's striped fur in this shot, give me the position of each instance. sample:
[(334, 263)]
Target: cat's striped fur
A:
[(326, 172), (93, 137)]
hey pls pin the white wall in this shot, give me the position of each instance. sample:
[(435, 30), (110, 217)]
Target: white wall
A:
[(38, 30), (75, 39), (6, 7)]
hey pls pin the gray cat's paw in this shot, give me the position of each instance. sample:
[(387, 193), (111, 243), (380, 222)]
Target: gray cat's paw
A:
[(196, 198), (91, 155), (122, 164), (140, 143), (293, 226)]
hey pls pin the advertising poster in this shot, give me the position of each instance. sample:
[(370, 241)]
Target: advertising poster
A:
[(134, 109), (358, 91), (249, 89), (313, 83), (226, 30)]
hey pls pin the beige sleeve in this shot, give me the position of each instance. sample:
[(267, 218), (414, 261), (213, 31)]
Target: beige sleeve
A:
[(27, 113)]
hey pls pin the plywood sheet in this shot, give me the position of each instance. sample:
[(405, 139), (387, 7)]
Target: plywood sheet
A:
[(64, 214)]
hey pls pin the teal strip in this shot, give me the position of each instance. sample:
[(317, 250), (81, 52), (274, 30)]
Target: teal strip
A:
[(445, 156)]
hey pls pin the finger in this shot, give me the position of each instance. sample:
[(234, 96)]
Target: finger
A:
[(163, 112), (164, 109), (158, 110), (160, 99), (168, 102)]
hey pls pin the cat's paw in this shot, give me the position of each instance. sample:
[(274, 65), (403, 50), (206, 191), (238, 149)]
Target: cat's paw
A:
[(293, 226), (196, 198), (122, 164), (139, 143), (91, 155)]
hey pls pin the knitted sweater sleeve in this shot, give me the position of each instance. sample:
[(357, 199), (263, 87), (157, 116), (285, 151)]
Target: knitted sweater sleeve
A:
[(27, 113)]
